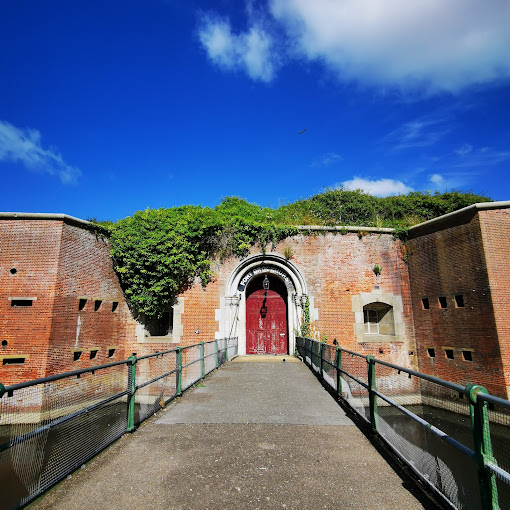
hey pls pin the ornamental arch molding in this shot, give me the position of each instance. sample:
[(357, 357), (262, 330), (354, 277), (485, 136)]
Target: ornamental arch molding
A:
[(232, 312)]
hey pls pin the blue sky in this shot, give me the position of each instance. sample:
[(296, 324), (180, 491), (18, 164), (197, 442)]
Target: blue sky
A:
[(114, 106)]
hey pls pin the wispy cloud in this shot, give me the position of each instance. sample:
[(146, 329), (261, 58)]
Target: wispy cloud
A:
[(326, 160), (459, 168), (378, 188), (24, 146), (483, 157), (252, 51), (422, 132)]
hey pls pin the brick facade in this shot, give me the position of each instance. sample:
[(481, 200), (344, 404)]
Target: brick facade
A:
[(457, 263), (78, 305)]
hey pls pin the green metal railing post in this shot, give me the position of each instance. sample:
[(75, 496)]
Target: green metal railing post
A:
[(338, 364), (203, 359), (372, 398), (217, 355), (483, 446), (321, 351), (179, 370), (131, 393)]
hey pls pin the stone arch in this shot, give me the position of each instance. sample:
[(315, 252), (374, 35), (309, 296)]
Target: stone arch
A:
[(232, 312)]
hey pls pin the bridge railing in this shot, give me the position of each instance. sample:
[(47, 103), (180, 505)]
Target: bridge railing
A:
[(455, 438), (49, 427)]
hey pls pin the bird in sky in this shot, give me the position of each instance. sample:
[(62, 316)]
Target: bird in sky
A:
[(301, 132)]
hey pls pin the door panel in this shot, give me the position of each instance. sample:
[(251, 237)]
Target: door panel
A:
[(266, 334)]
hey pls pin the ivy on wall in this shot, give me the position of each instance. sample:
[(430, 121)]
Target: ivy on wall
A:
[(158, 253)]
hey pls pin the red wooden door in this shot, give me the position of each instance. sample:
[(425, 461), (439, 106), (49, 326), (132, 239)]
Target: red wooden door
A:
[(266, 332)]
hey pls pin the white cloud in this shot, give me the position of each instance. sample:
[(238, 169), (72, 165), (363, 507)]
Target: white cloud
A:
[(24, 146), (252, 51), (379, 188), (437, 179), (437, 44), (450, 180)]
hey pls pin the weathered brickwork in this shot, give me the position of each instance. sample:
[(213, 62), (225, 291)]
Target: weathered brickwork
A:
[(495, 227), (447, 289), (336, 267), (28, 269), (59, 263), (457, 338)]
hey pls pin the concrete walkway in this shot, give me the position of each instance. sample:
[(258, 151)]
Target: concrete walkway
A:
[(251, 435)]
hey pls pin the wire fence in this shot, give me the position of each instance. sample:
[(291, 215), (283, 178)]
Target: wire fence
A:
[(455, 438), (51, 426)]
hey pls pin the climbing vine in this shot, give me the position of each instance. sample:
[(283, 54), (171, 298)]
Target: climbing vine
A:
[(158, 253), (305, 318)]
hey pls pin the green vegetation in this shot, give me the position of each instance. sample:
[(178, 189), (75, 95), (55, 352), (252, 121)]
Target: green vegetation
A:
[(158, 253)]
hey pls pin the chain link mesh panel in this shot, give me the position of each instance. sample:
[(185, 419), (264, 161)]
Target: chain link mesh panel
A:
[(427, 423), (191, 365), (156, 381), (449, 470), (50, 429), (209, 356)]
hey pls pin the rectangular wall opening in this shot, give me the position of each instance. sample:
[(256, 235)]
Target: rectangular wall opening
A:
[(459, 301), (76, 355), (82, 303), (14, 361), (467, 355), (431, 352), (449, 353), (97, 304), (21, 302), (425, 305), (443, 303)]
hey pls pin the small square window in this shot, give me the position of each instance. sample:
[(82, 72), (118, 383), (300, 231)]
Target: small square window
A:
[(93, 353), (81, 303), (115, 305), (431, 352), (467, 355), (443, 303), (76, 355), (449, 353), (97, 304), (459, 301), (425, 303), (111, 352)]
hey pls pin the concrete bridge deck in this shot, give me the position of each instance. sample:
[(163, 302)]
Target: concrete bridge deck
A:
[(252, 435)]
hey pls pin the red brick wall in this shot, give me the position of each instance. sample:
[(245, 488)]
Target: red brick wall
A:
[(495, 225), (59, 262), (335, 268), (448, 259), (85, 270), (32, 249)]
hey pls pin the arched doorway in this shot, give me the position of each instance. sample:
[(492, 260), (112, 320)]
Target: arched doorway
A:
[(266, 316), (231, 315)]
